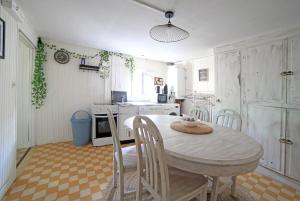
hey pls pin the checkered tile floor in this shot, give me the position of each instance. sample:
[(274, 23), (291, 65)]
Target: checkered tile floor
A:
[(62, 171)]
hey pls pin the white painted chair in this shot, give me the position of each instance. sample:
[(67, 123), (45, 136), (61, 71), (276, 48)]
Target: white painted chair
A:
[(124, 159), (200, 113), (163, 183), (229, 119)]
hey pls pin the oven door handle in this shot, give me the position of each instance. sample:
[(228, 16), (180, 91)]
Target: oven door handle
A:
[(105, 117)]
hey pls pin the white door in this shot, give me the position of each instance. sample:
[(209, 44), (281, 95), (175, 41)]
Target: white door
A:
[(227, 71), (293, 143), (262, 68), (293, 81), (24, 109), (264, 124)]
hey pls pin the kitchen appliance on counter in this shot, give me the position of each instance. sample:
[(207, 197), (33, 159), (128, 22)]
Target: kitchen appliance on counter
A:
[(101, 133), (162, 98), (118, 97)]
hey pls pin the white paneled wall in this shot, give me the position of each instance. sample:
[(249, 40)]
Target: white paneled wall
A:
[(8, 104), (69, 90)]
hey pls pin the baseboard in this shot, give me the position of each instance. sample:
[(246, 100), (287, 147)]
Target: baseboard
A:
[(5, 187), (278, 177)]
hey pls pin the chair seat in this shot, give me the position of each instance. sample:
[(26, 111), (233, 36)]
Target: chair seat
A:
[(129, 157), (183, 184)]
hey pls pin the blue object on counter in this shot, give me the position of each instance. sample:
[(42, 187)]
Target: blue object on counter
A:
[(81, 127)]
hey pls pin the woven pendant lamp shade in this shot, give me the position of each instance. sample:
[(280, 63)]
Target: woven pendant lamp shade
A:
[(168, 33)]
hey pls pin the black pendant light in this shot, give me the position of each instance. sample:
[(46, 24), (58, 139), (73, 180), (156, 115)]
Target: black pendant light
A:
[(168, 33)]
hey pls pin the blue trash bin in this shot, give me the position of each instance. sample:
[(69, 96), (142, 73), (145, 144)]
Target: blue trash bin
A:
[(81, 127)]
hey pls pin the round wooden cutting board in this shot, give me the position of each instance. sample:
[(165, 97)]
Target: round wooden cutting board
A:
[(200, 129)]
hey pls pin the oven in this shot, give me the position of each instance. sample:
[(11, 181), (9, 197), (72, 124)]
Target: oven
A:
[(102, 125), (101, 134)]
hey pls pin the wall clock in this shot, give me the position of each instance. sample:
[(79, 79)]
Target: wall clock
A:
[(61, 57)]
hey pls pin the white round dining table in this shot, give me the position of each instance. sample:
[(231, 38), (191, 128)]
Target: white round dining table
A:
[(224, 152)]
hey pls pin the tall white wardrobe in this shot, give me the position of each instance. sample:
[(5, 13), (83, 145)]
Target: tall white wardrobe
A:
[(260, 78)]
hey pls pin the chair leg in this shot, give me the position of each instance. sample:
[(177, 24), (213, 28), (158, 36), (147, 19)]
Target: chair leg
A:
[(139, 190), (233, 186), (115, 172), (204, 194), (121, 185), (214, 192)]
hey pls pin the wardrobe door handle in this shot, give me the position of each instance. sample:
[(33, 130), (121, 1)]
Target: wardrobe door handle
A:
[(282, 140), (289, 142), (283, 73)]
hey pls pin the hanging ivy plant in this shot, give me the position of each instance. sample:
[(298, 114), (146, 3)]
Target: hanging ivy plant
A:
[(39, 87), (104, 56), (129, 63)]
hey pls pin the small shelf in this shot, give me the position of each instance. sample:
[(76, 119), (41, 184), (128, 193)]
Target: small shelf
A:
[(88, 67)]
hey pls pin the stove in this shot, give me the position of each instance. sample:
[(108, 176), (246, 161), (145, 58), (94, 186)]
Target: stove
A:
[(101, 133)]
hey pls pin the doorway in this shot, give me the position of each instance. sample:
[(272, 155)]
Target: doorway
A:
[(25, 137)]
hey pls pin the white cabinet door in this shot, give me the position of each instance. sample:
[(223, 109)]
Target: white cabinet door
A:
[(228, 68), (293, 148), (126, 112), (262, 66), (264, 124), (293, 81), (124, 133)]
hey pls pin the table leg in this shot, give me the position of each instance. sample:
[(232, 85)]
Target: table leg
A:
[(214, 190), (233, 185)]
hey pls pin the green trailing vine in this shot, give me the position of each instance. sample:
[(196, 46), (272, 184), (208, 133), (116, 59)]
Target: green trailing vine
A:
[(39, 86), (129, 63), (104, 57)]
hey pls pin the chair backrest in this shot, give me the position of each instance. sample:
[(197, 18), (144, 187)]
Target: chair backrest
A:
[(200, 113), (229, 119), (152, 169), (115, 137)]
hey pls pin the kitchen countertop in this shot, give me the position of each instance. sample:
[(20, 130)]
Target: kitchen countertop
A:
[(144, 104)]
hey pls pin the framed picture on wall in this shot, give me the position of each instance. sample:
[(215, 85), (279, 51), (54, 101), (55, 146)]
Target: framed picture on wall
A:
[(2, 39), (203, 74), (158, 81)]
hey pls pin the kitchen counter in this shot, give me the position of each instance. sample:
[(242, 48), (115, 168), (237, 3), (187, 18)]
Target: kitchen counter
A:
[(144, 104)]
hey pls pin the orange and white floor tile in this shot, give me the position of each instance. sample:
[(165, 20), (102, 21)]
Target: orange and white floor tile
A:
[(62, 171)]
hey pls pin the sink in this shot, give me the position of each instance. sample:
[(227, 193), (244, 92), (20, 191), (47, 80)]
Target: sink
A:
[(124, 104)]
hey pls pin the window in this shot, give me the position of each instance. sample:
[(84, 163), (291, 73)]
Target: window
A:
[(148, 84), (142, 87)]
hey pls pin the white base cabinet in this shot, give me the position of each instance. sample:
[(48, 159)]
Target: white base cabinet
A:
[(126, 112)]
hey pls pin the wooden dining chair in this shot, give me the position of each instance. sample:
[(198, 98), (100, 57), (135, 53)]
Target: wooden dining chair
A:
[(200, 113), (229, 119), (163, 183), (124, 159)]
